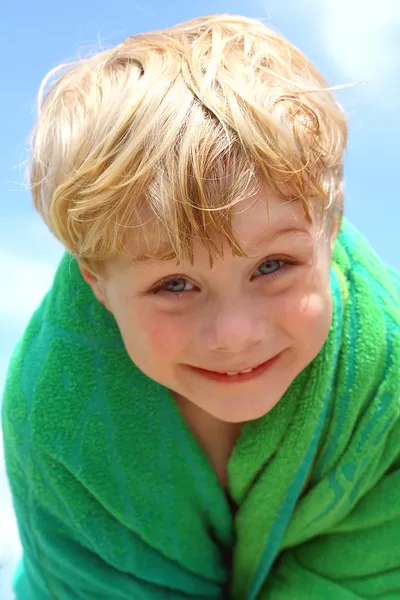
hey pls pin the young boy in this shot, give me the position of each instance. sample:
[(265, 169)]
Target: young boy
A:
[(206, 404)]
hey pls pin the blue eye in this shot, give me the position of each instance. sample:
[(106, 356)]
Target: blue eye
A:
[(175, 285), (180, 285), (268, 267)]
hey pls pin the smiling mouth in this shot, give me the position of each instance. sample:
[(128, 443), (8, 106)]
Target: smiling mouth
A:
[(234, 376)]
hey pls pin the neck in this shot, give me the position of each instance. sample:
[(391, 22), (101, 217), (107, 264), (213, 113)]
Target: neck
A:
[(217, 438)]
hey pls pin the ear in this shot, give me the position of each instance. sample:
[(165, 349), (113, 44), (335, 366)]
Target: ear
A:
[(96, 285)]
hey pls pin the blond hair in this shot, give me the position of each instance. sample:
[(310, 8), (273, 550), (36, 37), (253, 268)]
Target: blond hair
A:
[(183, 123)]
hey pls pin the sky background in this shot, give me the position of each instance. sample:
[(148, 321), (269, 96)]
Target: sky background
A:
[(348, 40)]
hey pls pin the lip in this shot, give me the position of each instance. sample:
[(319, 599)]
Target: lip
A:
[(223, 378)]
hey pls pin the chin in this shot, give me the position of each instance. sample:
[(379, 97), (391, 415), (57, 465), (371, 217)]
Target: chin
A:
[(242, 412)]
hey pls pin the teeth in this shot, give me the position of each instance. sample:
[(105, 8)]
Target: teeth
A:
[(239, 372)]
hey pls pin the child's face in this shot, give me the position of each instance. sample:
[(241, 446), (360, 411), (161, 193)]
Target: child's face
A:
[(233, 316)]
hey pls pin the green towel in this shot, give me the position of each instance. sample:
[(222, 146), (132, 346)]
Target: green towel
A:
[(116, 500)]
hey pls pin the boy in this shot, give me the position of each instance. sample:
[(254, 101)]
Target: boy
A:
[(206, 404)]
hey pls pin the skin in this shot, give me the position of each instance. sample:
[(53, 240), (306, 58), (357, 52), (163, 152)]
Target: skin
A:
[(237, 314)]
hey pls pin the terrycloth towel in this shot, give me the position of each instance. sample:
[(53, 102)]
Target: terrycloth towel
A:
[(116, 500)]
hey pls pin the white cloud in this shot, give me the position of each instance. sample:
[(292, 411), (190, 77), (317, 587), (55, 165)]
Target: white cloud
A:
[(24, 282), (361, 37)]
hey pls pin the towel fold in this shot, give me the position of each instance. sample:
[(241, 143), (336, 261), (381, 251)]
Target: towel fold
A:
[(115, 499)]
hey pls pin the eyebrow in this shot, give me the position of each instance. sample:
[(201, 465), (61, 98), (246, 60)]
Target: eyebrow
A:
[(166, 253), (270, 237)]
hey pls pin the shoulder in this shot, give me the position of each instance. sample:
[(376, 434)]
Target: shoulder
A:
[(55, 366), (364, 271), (365, 400)]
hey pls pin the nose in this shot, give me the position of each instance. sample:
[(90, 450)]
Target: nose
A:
[(236, 328)]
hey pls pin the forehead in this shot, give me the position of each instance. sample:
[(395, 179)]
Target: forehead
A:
[(263, 215), (254, 220)]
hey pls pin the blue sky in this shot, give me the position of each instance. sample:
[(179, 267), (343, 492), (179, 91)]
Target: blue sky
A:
[(349, 40)]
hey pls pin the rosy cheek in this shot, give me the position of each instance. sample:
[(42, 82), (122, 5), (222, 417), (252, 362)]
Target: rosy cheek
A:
[(165, 336), (303, 311), (313, 310), (157, 341)]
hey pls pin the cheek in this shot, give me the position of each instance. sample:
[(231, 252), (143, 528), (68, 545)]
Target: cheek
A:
[(305, 313), (315, 313), (162, 336)]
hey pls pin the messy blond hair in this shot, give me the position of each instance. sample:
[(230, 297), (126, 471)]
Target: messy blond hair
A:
[(184, 123)]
